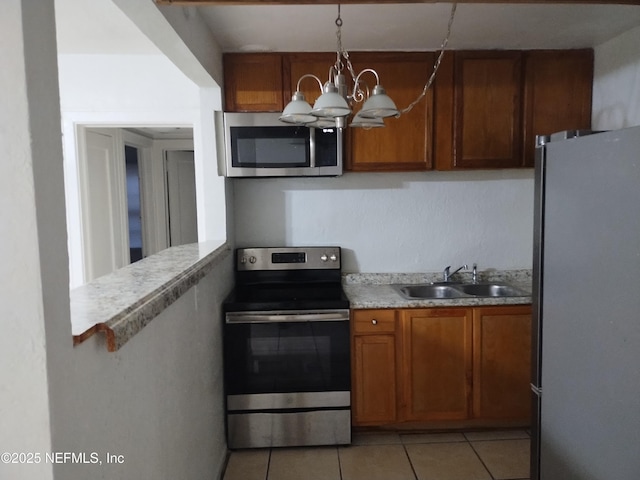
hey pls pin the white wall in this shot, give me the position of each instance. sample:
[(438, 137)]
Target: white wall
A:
[(395, 222), (129, 90), (616, 88), (158, 401), (34, 301)]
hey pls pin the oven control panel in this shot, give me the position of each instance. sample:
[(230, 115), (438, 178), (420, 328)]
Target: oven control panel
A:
[(288, 258)]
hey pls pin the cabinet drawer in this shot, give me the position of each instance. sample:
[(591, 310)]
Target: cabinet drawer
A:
[(374, 321)]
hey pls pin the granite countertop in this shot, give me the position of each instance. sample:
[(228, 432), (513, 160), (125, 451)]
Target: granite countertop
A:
[(122, 303), (374, 290)]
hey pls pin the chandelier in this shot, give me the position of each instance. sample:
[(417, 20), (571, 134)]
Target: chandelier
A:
[(336, 99)]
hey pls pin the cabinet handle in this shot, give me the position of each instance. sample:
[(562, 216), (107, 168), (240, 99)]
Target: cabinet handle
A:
[(374, 321)]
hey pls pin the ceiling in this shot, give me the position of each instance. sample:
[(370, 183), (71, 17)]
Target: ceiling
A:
[(100, 27), (416, 26)]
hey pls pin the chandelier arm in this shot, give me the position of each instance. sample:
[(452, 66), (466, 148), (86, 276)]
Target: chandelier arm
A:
[(356, 82), (436, 65), (305, 76), (358, 94)]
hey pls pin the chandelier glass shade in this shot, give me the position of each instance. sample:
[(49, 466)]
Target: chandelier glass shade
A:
[(336, 98), (366, 123), (298, 110), (330, 104)]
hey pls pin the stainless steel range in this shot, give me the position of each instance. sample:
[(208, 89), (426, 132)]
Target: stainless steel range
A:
[(286, 349)]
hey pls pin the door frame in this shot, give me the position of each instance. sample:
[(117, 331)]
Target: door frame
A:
[(153, 187), (117, 204), (160, 149), (144, 145)]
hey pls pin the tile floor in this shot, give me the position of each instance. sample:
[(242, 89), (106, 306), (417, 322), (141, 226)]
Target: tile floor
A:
[(486, 455)]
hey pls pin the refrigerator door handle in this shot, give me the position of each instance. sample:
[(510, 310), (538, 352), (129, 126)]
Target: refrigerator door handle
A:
[(536, 390)]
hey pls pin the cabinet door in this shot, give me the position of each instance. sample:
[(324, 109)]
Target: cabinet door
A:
[(253, 82), (374, 367), (404, 143), (436, 363), (487, 115), (501, 363), (374, 382), (558, 86)]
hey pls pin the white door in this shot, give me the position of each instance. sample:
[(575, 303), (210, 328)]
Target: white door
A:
[(181, 197), (103, 204)]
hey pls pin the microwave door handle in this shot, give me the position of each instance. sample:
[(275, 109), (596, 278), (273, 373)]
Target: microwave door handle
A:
[(312, 147)]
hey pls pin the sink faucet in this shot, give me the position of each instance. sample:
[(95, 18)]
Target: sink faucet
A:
[(474, 274), (447, 276)]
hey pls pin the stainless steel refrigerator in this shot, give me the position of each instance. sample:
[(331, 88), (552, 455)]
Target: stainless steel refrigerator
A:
[(586, 304)]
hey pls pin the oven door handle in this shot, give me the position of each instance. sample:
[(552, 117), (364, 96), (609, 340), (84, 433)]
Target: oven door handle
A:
[(275, 317)]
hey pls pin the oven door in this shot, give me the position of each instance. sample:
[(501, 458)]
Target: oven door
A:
[(287, 378), (287, 352)]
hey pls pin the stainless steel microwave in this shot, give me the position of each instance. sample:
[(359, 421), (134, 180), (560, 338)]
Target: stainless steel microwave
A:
[(259, 145)]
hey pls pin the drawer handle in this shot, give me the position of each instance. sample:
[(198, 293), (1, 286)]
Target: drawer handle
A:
[(374, 321)]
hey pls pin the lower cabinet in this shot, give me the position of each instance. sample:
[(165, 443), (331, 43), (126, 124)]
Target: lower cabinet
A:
[(502, 362), (374, 367), (441, 364), (436, 363)]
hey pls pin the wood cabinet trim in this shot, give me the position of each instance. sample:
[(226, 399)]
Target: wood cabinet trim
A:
[(443, 148)]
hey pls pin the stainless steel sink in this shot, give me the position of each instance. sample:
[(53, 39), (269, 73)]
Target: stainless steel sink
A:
[(428, 291), (458, 290), (491, 290)]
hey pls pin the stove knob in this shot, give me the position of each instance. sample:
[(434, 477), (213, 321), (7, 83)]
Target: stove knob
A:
[(243, 260), (252, 259), (333, 258), (324, 257)]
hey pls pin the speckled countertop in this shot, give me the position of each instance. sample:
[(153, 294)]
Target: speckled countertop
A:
[(374, 290), (122, 303)]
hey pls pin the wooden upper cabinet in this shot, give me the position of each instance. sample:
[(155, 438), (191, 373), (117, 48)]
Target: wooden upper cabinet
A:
[(253, 82), (501, 363), (490, 105), (483, 111), (487, 102), (558, 90), (404, 144), (436, 363)]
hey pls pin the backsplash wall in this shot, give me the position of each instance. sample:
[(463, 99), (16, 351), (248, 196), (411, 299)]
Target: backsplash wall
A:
[(395, 222)]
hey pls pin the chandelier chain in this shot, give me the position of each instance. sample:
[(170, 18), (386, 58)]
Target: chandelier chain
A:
[(359, 93), (339, 66), (436, 65)]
